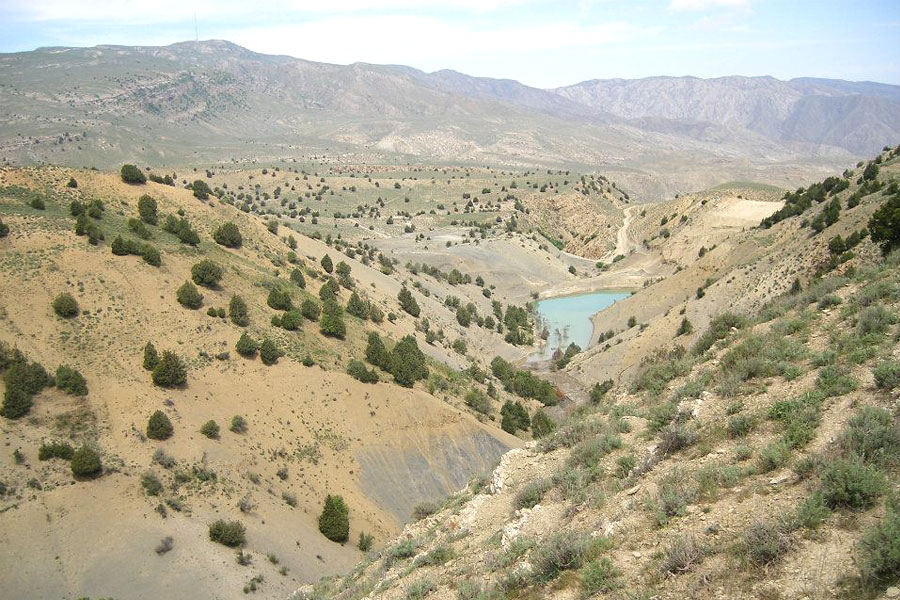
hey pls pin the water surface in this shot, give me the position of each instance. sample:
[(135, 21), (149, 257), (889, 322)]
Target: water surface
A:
[(568, 318)]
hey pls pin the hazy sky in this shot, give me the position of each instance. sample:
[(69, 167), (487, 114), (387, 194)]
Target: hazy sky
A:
[(540, 43)]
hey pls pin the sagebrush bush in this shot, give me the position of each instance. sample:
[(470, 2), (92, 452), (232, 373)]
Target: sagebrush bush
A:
[(65, 305), (210, 429), (151, 484), (851, 483), (675, 492), (238, 424), (532, 493), (159, 427), (228, 533), (86, 462), (358, 371), (874, 320), (880, 549), (599, 576), (682, 555), (887, 375), (774, 456), (873, 435), (764, 542)]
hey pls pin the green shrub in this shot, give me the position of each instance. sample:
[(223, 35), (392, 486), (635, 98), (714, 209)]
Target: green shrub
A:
[(376, 353), (291, 320), (207, 273), (686, 328), (151, 357), (834, 380), (310, 309), (55, 449), (210, 429), (655, 373), (170, 371), (675, 491), (514, 417), (138, 228), (851, 483), (189, 296), (774, 456), (884, 225), (269, 352), (887, 375), (228, 235), (332, 323), (541, 424), (365, 542), (873, 435), (408, 302), (131, 174), (86, 462), (739, 425), (237, 311), (811, 513), (246, 346), (562, 552), (588, 453), (150, 255), (718, 329), (358, 371), (147, 210), (424, 509), (201, 189), (874, 320), (151, 484), (599, 576), (408, 363), (238, 424), (298, 278), (279, 298), (532, 493), (65, 305), (880, 549), (228, 533), (182, 229), (159, 427), (71, 381), (334, 522), (4, 229)]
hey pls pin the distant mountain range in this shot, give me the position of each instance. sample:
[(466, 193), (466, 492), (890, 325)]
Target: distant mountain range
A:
[(213, 102)]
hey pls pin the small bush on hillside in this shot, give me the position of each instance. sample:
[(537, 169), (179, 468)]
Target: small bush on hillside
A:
[(850, 483), (70, 381), (880, 549), (238, 424), (201, 189), (334, 522), (874, 320), (65, 305), (228, 235), (365, 542), (269, 352), (599, 576), (291, 320), (86, 462), (532, 493), (541, 424), (55, 449), (228, 533), (719, 328), (686, 328), (151, 357), (170, 371), (332, 323), (151, 484), (477, 400), (210, 429), (358, 371), (159, 427), (237, 311), (246, 346), (884, 225), (774, 456), (676, 490), (764, 542), (131, 174), (887, 375), (207, 273), (298, 278), (408, 302), (310, 309), (138, 228), (408, 363), (873, 435), (562, 552), (189, 296), (147, 210), (279, 298), (682, 555), (4, 229), (357, 307)]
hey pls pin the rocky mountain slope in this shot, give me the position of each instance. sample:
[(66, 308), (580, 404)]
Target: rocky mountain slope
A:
[(213, 102)]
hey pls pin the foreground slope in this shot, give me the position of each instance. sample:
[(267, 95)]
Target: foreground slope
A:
[(756, 457)]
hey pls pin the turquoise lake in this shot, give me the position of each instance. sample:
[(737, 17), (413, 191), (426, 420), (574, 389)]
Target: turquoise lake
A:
[(568, 318)]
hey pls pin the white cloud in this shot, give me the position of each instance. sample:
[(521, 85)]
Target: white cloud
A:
[(697, 5)]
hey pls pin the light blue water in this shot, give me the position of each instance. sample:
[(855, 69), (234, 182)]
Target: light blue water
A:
[(568, 319)]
